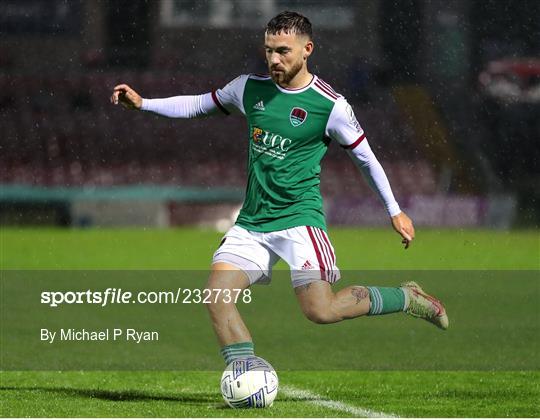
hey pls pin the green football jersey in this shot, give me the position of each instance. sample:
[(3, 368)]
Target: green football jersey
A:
[(288, 133)]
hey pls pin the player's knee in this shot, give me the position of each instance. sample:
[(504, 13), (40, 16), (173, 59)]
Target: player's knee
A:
[(320, 315), (223, 288)]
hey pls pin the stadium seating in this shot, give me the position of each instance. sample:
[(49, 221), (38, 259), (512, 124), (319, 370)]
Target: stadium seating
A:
[(64, 132)]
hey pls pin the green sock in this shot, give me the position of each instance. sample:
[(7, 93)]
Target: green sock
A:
[(386, 300), (236, 350)]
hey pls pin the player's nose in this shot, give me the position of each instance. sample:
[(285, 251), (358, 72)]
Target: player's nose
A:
[(274, 58)]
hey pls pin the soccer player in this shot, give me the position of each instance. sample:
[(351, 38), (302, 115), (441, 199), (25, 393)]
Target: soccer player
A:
[(292, 116)]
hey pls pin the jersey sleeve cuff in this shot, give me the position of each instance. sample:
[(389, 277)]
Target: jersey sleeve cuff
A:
[(218, 104)]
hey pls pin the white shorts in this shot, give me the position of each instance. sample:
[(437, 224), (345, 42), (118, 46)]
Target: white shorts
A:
[(306, 249)]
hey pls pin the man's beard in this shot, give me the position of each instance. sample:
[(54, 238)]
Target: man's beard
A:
[(286, 77)]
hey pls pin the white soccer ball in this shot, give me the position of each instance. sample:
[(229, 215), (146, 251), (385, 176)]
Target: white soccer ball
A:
[(249, 382)]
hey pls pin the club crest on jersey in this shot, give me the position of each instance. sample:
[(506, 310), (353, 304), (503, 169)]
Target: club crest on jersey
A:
[(297, 116)]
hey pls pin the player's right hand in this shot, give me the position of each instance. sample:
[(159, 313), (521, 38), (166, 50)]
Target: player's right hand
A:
[(404, 226), (126, 96)]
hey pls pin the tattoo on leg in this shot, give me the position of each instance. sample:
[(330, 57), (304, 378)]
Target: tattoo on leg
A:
[(360, 293)]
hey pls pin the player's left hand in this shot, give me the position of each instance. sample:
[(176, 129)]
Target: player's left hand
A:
[(404, 226)]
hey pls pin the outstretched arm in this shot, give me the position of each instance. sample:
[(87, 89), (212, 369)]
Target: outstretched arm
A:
[(345, 129), (373, 172), (184, 106)]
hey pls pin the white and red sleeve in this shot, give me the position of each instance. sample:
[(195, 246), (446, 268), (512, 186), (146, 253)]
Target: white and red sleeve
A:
[(344, 128), (230, 98), (192, 106)]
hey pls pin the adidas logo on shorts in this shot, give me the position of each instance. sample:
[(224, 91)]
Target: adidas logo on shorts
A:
[(307, 266)]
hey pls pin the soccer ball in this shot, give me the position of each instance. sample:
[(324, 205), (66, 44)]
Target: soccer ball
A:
[(249, 382)]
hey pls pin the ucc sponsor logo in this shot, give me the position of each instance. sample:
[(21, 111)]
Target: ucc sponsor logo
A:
[(270, 143)]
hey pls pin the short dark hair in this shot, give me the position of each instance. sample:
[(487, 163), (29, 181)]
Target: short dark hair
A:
[(290, 22)]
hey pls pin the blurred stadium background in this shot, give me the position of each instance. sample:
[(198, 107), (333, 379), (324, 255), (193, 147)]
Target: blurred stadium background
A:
[(448, 93)]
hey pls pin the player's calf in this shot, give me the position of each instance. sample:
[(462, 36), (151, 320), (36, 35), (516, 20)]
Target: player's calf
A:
[(322, 315), (320, 305)]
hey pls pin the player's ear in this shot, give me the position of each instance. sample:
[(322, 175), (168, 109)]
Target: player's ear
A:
[(308, 49)]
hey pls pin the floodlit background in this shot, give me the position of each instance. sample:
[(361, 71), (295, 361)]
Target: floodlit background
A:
[(447, 92)]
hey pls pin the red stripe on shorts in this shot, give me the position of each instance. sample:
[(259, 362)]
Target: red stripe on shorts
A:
[(332, 255), (325, 237), (317, 252), (325, 252)]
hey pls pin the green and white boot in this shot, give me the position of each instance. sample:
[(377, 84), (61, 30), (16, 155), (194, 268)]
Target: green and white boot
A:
[(421, 305)]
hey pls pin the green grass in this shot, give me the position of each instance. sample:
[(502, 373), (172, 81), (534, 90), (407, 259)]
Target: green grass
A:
[(193, 394), (367, 249), (486, 365)]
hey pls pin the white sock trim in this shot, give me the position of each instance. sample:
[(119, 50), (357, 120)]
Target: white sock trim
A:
[(406, 304)]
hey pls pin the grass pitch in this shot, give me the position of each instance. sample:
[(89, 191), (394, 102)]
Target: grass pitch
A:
[(486, 365)]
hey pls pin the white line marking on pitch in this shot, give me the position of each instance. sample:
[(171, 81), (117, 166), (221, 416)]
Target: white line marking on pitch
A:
[(321, 401)]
